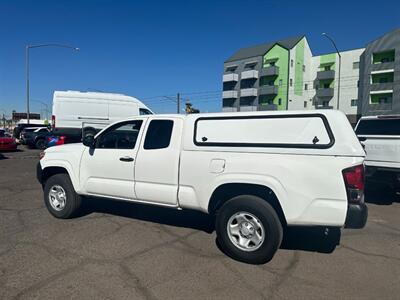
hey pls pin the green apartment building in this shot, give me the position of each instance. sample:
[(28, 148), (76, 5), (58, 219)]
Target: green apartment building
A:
[(285, 75)]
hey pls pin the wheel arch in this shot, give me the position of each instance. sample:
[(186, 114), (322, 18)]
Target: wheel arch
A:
[(59, 168), (227, 191)]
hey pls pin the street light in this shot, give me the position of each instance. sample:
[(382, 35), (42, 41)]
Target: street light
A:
[(340, 63), (27, 47)]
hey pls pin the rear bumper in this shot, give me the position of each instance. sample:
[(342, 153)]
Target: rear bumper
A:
[(357, 215)]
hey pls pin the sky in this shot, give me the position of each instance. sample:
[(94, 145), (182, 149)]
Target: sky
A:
[(154, 49)]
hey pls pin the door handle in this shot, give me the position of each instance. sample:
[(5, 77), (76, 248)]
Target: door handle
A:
[(126, 158)]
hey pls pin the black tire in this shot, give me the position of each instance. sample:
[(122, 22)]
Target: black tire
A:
[(267, 216), (73, 200), (40, 144)]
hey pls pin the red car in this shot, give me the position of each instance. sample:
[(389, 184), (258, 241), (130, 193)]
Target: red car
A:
[(7, 142)]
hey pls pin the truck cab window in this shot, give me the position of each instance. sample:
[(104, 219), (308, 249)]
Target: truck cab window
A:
[(158, 134), (120, 136)]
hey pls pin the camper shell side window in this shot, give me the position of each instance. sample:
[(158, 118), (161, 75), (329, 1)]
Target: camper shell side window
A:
[(275, 131)]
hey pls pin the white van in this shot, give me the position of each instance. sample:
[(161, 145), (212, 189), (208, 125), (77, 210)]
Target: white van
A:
[(380, 136), (74, 110)]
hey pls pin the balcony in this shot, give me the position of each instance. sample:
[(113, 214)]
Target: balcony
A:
[(230, 77), (382, 66), (269, 71), (321, 106), (229, 109), (250, 92), (325, 92), (248, 108), (264, 107), (269, 90), (229, 94), (381, 87), (329, 74), (250, 74)]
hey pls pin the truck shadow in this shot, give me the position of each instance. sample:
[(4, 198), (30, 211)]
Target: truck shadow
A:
[(313, 239)]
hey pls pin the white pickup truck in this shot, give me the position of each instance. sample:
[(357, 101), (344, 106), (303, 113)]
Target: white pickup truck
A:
[(256, 172), (380, 136)]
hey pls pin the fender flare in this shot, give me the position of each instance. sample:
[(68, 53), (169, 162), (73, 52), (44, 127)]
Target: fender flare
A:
[(264, 180), (67, 166)]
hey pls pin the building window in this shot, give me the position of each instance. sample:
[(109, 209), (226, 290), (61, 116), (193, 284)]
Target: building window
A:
[(326, 85), (306, 86), (304, 68), (327, 68), (280, 82), (305, 104), (291, 82), (291, 63), (356, 65), (280, 101), (271, 82), (358, 83), (231, 69), (354, 102), (325, 103)]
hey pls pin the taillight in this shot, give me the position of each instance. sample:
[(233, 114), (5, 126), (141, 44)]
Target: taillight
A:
[(354, 180), (60, 140), (53, 121)]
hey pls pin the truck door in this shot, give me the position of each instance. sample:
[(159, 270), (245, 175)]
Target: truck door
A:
[(157, 163), (108, 168)]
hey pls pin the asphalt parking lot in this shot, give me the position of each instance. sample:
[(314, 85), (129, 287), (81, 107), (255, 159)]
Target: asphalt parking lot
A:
[(119, 250)]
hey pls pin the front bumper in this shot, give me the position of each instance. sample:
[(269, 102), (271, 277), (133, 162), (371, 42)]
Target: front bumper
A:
[(357, 215), (39, 173)]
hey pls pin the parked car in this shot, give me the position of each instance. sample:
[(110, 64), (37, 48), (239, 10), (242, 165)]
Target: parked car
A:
[(254, 172), (7, 142), (380, 136), (74, 111), (35, 137), (22, 124)]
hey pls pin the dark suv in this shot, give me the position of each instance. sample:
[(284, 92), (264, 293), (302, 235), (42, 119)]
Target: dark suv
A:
[(35, 137)]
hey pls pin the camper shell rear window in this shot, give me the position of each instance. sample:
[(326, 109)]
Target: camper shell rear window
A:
[(276, 131)]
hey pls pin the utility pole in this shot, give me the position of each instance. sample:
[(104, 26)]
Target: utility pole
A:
[(178, 103)]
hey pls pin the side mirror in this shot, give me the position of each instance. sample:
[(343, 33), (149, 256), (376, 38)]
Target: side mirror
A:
[(89, 141)]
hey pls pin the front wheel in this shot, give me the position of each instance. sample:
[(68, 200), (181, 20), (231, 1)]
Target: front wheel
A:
[(60, 197), (248, 229)]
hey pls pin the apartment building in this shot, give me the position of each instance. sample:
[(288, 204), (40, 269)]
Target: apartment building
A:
[(285, 75), (380, 76)]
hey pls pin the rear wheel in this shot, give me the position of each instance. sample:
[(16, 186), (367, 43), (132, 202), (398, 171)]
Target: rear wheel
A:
[(248, 229), (60, 197)]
